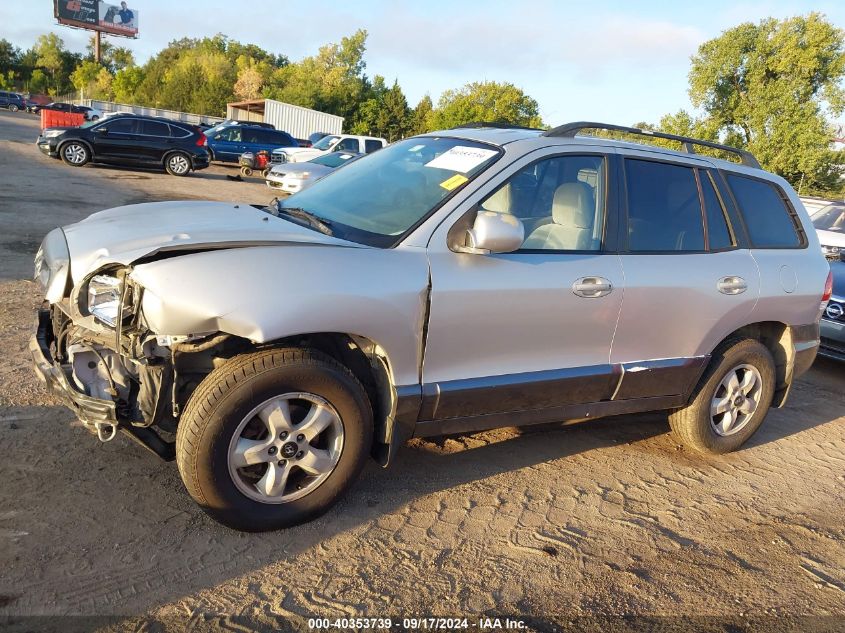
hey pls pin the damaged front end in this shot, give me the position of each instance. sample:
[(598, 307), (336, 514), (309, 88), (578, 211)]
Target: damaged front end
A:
[(93, 347)]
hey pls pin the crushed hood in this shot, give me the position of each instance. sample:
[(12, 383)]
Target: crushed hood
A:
[(125, 234)]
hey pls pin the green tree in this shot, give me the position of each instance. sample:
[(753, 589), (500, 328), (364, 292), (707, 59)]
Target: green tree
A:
[(38, 82), (10, 57), (771, 87), (49, 49), (126, 82), (85, 76), (486, 101), (394, 117), (421, 117), (332, 81)]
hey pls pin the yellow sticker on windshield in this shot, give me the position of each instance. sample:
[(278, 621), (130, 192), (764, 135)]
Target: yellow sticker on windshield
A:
[(454, 182)]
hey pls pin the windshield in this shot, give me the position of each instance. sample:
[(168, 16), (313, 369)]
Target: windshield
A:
[(378, 198), (831, 218), (325, 142), (335, 159)]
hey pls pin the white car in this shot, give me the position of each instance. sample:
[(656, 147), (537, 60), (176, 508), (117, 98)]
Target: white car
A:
[(332, 143), (829, 223), (292, 178)]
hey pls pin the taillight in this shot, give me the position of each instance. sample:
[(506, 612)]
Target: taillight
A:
[(828, 289), (202, 141)]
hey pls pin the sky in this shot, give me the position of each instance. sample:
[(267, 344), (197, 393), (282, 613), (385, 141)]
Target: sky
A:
[(612, 61)]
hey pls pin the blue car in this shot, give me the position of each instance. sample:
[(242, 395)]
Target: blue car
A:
[(228, 143)]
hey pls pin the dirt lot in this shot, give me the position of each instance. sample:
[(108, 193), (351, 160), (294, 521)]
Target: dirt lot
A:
[(558, 524)]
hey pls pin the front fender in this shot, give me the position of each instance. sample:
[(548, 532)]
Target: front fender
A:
[(266, 293)]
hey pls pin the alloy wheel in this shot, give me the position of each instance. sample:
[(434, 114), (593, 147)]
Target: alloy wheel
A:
[(285, 447), (736, 399), (178, 164), (75, 153)]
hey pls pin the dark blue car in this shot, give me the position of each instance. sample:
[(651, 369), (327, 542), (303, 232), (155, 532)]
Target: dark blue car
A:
[(228, 143)]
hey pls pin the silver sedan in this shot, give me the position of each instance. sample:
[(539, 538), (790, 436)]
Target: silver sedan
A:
[(291, 178)]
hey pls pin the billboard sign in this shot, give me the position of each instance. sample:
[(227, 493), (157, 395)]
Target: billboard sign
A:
[(96, 15)]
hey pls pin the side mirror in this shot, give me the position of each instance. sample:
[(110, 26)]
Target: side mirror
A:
[(493, 233)]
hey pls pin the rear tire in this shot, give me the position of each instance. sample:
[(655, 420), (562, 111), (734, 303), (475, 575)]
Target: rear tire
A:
[(233, 418), (13, 108), (74, 153), (177, 164), (731, 401), (246, 171)]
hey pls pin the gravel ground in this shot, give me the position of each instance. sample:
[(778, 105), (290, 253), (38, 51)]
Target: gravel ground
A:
[(573, 524)]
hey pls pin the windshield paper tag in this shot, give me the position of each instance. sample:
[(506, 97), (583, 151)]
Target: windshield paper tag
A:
[(462, 159), (454, 182)]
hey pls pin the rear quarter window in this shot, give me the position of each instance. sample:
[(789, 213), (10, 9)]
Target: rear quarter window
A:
[(771, 223)]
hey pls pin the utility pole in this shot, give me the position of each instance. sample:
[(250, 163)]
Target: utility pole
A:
[(97, 46)]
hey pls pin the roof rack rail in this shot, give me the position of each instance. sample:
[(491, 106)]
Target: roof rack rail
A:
[(502, 125), (569, 130)]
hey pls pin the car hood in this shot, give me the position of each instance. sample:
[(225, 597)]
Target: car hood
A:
[(125, 234), (831, 238), (294, 169)]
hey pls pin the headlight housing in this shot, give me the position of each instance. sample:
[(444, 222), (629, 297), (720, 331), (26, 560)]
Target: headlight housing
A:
[(52, 265), (52, 133), (104, 298)]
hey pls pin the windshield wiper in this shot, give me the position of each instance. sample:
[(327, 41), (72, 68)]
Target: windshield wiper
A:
[(314, 221)]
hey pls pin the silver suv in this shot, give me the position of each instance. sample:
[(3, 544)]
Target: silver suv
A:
[(452, 282)]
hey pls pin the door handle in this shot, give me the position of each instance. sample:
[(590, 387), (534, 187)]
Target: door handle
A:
[(592, 287), (732, 285)]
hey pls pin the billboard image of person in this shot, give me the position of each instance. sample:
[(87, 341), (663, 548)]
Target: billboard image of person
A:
[(118, 19)]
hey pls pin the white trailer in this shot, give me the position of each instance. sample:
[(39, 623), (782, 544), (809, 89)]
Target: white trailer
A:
[(297, 121)]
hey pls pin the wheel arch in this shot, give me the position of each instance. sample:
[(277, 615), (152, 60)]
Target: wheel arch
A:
[(393, 412), (81, 141), (779, 338), (171, 152)]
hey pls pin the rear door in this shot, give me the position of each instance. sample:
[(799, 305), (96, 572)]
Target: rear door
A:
[(348, 145), (531, 329), (690, 279), (117, 139), (153, 141)]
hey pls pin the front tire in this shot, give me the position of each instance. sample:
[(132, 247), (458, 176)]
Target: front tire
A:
[(177, 164), (75, 154), (13, 108), (732, 399), (273, 438)]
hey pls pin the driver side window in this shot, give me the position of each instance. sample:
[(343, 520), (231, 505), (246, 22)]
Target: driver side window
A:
[(560, 202)]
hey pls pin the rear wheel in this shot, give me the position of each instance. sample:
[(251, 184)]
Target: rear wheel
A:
[(177, 164), (75, 153), (246, 171), (13, 108), (265, 172), (273, 438), (733, 398)]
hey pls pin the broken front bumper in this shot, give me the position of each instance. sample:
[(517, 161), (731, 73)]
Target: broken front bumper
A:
[(92, 412)]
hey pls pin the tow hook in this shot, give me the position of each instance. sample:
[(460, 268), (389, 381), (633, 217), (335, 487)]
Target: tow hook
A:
[(105, 431)]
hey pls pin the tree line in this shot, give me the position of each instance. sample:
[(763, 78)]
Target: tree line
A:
[(774, 88)]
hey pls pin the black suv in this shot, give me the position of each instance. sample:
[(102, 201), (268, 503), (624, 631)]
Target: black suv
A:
[(11, 100), (131, 140)]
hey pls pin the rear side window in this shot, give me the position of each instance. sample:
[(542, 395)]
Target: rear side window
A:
[(664, 210), (719, 236), (253, 135), (179, 132), (769, 221), (280, 138), (372, 146), (154, 128)]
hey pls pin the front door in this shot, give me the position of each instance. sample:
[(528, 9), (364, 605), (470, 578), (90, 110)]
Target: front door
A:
[(530, 329), (116, 138)]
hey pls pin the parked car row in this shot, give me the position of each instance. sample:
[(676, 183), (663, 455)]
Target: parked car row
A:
[(15, 102)]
